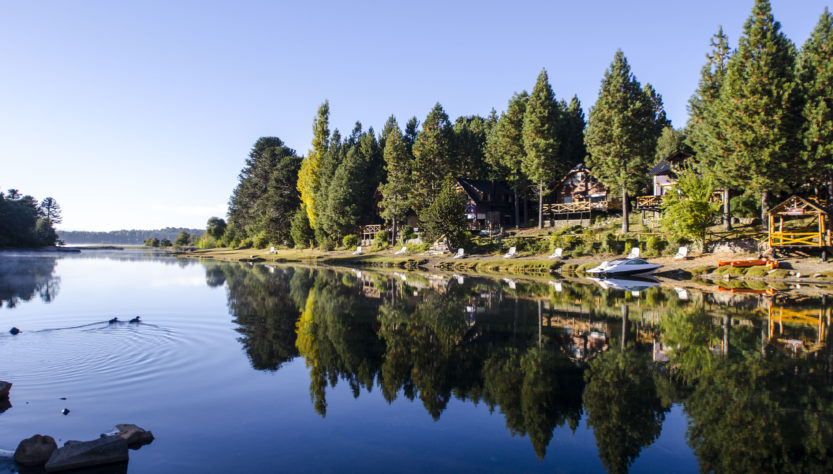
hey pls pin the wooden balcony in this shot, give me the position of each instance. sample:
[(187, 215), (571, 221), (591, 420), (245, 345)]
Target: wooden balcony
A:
[(648, 203), (580, 207)]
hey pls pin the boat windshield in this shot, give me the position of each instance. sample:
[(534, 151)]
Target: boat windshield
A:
[(636, 261)]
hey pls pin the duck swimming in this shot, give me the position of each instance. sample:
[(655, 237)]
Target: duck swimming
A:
[(114, 321), (14, 331), (136, 320)]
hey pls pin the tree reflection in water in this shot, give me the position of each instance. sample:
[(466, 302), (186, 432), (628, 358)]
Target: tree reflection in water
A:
[(22, 277), (431, 338)]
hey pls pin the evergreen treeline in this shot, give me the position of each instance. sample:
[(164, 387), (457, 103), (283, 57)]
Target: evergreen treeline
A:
[(124, 237), (26, 223), (761, 123)]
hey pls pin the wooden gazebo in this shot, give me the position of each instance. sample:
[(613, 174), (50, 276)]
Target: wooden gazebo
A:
[(814, 232)]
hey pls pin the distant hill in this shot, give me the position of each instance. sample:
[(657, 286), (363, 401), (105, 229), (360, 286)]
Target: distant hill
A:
[(122, 237)]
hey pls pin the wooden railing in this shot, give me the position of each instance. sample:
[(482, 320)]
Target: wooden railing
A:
[(648, 202), (808, 239), (578, 207)]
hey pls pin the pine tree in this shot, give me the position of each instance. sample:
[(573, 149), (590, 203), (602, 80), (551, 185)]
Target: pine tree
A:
[(468, 147), (308, 182), (572, 143), (669, 142), (542, 139), (432, 157), (397, 188), (622, 131), (505, 148), (704, 133), (759, 109), (334, 156), (815, 74)]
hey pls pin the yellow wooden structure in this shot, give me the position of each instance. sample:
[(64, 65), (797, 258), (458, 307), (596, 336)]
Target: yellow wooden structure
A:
[(815, 233)]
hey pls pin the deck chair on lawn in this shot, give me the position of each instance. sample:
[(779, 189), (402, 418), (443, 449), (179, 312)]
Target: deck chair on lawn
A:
[(559, 253), (358, 250), (682, 253), (271, 251), (634, 253), (460, 253), (512, 253), (401, 251)]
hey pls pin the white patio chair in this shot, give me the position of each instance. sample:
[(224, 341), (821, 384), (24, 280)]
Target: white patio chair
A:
[(682, 253), (559, 253), (271, 251), (513, 252), (634, 253), (358, 250), (401, 251), (460, 253)]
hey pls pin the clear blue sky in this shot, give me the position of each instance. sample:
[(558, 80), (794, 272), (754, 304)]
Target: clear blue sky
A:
[(141, 114)]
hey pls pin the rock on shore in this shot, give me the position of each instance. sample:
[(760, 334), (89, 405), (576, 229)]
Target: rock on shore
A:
[(4, 389), (35, 451), (80, 454), (136, 437)]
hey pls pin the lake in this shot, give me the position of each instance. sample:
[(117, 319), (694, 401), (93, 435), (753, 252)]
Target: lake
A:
[(256, 368)]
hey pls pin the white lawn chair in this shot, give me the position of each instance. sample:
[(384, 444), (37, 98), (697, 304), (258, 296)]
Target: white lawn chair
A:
[(511, 283), (460, 253), (682, 253), (634, 253), (401, 251), (513, 252), (271, 251), (358, 250), (559, 253)]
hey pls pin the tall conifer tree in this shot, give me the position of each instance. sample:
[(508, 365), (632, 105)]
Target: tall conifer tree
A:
[(397, 188), (759, 108), (542, 139), (505, 149), (704, 133), (308, 182), (815, 74), (622, 131), (432, 157)]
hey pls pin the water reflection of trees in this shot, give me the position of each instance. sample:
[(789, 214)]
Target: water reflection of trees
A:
[(22, 277), (431, 339)]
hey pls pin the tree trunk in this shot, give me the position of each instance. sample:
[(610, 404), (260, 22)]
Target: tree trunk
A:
[(727, 212), (830, 192), (541, 205), (727, 322), (393, 232), (526, 211), (625, 310), (517, 211), (764, 196), (625, 226)]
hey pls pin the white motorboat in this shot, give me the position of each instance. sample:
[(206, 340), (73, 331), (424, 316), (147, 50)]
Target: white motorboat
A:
[(624, 266), (633, 284)]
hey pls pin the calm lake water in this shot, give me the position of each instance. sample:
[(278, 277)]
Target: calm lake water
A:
[(240, 368)]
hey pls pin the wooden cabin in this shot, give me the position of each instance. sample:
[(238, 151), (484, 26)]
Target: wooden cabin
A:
[(490, 203), (579, 192), (664, 177), (807, 224)]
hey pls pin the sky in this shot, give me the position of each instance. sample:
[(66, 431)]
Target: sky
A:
[(140, 115)]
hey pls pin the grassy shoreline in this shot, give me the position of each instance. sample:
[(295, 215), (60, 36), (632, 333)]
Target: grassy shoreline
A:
[(703, 268)]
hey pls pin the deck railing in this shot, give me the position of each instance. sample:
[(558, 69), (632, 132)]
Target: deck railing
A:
[(648, 202), (578, 207), (807, 239)]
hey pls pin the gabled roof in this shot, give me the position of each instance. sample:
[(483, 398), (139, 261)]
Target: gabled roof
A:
[(475, 188), (577, 168), (665, 165), (797, 202)]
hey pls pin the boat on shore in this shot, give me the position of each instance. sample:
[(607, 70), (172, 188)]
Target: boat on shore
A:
[(624, 266)]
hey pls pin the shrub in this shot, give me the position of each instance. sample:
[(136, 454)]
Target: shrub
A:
[(655, 245), (246, 243), (381, 241), (260, 240), (300, 230), (407, 233), (610, 243), (350, 241)]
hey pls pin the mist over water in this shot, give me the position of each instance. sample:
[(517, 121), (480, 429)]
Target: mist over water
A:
[(241, 368)]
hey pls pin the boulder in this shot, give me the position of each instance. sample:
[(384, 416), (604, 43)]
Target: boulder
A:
[(4, 389), (136, 437), (35, 451), (5, 404), (81, 454)]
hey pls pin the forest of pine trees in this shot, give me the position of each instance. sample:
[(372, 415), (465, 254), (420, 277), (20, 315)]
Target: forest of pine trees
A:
[(760, 125)]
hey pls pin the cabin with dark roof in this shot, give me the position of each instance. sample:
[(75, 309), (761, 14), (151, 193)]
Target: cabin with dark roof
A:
[(490, 203), (579, 192), (664, 177)]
